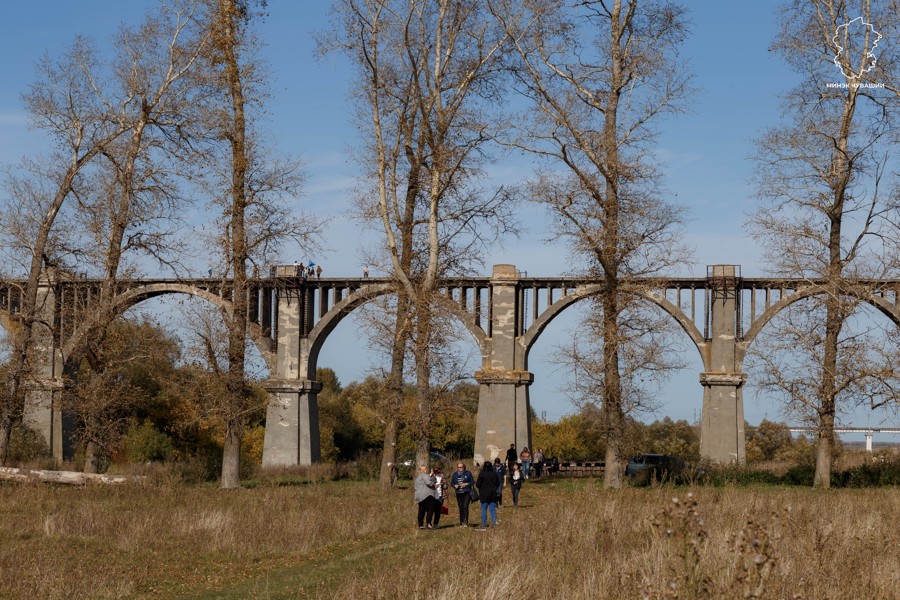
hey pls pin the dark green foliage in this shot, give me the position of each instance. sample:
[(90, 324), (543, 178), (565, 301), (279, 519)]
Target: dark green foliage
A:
[(26, 445), (878, 472), (144, 442), (800, 475)]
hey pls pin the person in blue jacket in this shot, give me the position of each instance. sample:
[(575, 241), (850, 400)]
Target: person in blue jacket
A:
[(462, 481)]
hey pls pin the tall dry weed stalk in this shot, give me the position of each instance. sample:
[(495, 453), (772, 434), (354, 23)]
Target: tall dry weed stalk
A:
[(680, 530), (757, 557)]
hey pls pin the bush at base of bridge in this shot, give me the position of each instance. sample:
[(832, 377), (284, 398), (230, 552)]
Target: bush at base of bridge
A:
[(145, 443), (735, 475), (28, 446), (877, 472)]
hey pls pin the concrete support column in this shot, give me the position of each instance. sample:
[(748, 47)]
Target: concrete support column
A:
[(504, 414), (43, 393), (292, 423), (43, 413), (722, 427), (292, 419)]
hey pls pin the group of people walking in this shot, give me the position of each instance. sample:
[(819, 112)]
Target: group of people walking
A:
[(432, 488)]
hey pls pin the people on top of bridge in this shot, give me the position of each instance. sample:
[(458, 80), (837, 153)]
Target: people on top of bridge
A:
[(307, 271), (366, 271)]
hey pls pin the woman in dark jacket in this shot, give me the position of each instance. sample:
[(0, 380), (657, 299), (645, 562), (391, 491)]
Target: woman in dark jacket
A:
[(488, 485)]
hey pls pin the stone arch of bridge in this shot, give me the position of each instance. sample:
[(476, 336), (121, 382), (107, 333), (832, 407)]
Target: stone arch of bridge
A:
[(135, 296), (330, 320), (889, 310), (583, 292)]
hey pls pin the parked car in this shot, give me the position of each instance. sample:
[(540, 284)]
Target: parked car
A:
[(644, 468)]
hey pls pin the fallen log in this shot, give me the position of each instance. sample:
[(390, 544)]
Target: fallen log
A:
[(66, 477)]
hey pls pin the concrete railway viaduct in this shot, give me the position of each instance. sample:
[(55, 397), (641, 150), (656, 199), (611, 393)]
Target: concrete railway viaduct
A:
[(291, 317)]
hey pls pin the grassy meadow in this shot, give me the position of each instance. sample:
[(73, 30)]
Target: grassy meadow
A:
[(292, 536)]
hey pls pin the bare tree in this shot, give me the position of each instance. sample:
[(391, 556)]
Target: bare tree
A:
[(255, 219), (826, 215), (599, 75), (72, 103), (132, 202), (426, 70)]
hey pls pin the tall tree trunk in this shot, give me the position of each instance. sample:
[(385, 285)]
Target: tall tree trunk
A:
[(237, 323), (609, 259), (91, 458), (394, 397), (231, 455)]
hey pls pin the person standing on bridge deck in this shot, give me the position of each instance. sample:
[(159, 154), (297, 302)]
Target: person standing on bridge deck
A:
[(319, 272), (366, 271)]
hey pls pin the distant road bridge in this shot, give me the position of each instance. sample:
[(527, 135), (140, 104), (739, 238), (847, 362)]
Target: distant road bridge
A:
[(868, 431), (291, 317)]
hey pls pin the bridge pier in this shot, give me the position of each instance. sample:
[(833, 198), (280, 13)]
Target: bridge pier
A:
[(722, 424), (292, 418), (43, 391), (292, 423), (504, 411)]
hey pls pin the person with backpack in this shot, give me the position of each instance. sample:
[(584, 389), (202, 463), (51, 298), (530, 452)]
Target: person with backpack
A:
[(488, 485), (500, 470)]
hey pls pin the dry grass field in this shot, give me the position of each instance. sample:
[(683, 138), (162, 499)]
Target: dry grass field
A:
[(289, 538)]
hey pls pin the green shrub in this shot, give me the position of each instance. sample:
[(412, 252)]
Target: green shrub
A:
[(800, 475), (739, 475), (875, 473), (145, 443), (27, 445)]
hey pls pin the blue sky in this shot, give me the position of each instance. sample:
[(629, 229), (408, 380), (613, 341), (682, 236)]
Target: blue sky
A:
[(705, 152)]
